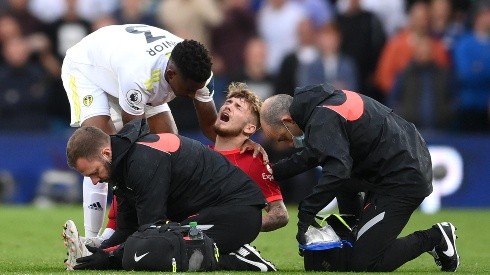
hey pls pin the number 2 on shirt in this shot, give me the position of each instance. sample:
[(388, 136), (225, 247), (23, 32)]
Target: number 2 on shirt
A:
[(136, 29)]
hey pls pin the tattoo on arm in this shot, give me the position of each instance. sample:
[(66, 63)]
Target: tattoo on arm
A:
[(276, 217)]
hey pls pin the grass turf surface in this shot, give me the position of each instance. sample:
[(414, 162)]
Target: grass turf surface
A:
[(30, 241)]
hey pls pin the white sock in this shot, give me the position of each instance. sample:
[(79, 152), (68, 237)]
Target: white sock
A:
[(94, 205)]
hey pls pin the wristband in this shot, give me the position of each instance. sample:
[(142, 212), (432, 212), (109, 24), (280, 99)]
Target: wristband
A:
[(204, 95)]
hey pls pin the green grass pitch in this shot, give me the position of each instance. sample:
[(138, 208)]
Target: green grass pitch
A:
[(30, 241)]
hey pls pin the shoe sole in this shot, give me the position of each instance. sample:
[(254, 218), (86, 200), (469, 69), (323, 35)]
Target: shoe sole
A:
[(453, 243), (72, 244)]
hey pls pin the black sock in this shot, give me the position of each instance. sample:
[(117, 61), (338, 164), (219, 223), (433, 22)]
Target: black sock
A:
[(435, 235)]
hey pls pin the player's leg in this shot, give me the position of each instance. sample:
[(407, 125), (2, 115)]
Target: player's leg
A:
[(89, 106), (94, 205), (160, 119), (95, 196), (115, 110)]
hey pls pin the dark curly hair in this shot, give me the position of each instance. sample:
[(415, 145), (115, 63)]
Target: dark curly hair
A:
[(192, 59)]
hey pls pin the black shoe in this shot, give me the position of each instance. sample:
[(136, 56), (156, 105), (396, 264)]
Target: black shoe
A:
[(445, 254), (252, 258)]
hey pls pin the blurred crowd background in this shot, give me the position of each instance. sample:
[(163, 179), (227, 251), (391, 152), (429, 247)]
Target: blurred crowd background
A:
[(428, 60)]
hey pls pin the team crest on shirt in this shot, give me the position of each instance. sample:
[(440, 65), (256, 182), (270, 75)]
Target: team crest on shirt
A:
[(87, 100), (269, 169), (134, 97)]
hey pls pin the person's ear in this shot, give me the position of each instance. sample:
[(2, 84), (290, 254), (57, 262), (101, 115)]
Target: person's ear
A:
[(250, 129), (107, 153), (170, 70), (169, 74), (287, 119)]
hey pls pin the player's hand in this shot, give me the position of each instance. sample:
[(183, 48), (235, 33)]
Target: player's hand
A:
[(99, 260), (257, 148)]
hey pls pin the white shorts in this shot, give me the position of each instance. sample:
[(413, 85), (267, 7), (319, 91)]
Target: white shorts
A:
[(88, 100)]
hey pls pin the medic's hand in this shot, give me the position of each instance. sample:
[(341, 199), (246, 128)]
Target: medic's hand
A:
[(257, 148), (303, 228), (300, 236), (99, 260)]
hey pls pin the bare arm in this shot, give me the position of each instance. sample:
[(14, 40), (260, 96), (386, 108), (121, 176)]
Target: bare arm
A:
[(206, 116), (162, 123), (276, 217), (128, 117)]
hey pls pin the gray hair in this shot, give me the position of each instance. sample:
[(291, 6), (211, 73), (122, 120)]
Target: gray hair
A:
[(277, 106)]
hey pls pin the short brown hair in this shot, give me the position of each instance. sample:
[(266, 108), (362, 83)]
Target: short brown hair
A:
[(241, 90), (85, 142)]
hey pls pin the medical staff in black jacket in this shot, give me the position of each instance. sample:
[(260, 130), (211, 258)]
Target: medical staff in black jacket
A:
[(171, 177), (362, 146)]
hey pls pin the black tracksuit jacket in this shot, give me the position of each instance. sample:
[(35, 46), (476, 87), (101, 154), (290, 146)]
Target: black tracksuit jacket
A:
[(360, 144), (168, 176)]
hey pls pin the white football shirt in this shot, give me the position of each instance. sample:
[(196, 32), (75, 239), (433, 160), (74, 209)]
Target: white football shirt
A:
[(127, 62)]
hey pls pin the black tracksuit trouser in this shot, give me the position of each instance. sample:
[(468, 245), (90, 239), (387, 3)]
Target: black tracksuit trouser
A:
[(377, 247), (232, 226)]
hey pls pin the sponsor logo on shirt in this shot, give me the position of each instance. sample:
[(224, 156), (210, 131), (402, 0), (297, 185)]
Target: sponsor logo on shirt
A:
[(268, 177)]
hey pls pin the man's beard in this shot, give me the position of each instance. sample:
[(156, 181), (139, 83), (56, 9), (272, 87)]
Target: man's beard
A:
[(227, 132), (107, 166)]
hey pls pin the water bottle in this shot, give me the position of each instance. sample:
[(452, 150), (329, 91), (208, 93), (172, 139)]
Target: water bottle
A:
[(194, 232), (174, 265)]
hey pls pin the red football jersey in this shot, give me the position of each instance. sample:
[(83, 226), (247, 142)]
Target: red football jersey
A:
[(111, 223), (256, 170)]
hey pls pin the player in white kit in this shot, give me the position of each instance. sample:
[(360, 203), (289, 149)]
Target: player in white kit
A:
[(122, 72)]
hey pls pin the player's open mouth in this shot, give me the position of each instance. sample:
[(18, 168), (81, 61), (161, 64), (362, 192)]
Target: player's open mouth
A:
[(224, 117)]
